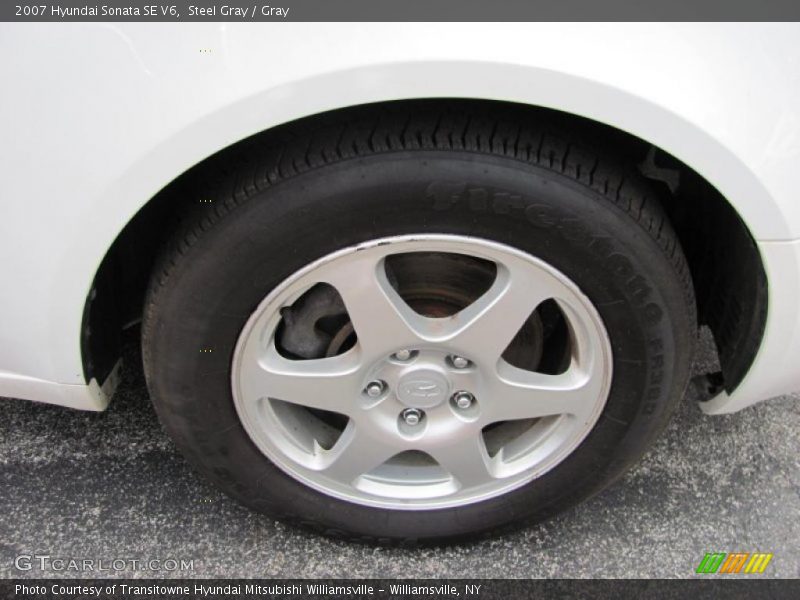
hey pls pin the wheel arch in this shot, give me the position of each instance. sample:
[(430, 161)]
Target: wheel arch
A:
[(647, 134)]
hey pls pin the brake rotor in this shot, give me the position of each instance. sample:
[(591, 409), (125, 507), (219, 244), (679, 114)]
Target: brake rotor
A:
[(433, 284)]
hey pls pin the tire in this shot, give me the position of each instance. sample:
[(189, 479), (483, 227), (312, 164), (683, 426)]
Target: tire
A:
[(519, 187)]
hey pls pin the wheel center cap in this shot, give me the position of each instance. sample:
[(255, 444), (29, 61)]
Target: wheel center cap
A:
[(422, 388)]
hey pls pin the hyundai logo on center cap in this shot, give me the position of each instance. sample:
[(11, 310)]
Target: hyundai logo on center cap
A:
[(422, 390)]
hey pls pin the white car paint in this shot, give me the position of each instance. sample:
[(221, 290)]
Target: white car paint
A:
[(97, 118)]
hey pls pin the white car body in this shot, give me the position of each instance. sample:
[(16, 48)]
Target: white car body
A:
[(97, 118)]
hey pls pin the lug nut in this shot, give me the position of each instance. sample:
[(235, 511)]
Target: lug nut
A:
[(412, 416), (459, 362), (402, 355), (463, 400), (375, 388)]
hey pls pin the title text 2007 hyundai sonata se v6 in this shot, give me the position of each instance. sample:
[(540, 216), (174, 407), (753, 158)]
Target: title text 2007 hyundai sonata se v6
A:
[(396, 285)]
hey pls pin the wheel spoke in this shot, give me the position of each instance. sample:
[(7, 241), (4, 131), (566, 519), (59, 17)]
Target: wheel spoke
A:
[(485, 328), (521, 394), (380, 317), (466, 460), (356, 453), (328, 383)]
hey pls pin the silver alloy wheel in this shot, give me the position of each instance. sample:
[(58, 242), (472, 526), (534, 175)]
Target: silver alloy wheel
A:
[(440, 461)]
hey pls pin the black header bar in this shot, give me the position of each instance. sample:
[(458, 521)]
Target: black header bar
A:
[(399, 10)]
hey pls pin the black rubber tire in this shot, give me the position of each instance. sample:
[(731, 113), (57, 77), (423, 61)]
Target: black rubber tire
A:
[(291, 201)]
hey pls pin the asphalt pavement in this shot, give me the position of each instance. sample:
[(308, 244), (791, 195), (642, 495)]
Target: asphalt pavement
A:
[(112, 486)]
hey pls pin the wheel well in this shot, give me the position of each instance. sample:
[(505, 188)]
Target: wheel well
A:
[(728, 275)]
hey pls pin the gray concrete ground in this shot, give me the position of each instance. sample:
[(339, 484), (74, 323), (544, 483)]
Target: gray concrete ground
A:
[(112, 486)]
